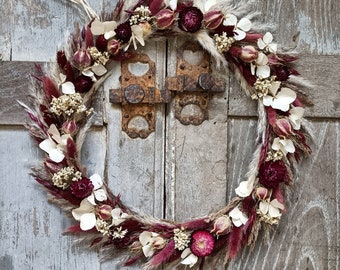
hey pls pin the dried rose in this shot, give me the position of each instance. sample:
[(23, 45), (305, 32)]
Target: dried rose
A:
[(113, 46), (283, 127), (222, 225), (190, 19), (272, 173), (202, 243), (82, 59), (69, 127), (124, 32), (104, 211), (213, 19), (248, 54), (165, 18), (82, 188), (261, 193)]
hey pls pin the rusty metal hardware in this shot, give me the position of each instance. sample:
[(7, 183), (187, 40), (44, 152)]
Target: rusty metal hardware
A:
[(137, 96), (193, 84)]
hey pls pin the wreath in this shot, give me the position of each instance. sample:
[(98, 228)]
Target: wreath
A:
[(60, 116)]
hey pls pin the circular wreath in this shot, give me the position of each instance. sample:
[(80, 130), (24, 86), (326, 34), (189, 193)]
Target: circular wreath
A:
[(60, 117)]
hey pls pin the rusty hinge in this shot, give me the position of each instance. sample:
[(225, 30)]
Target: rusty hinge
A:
[(193, 83)]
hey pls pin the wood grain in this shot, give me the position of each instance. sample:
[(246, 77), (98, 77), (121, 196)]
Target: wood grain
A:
[(179, 171)]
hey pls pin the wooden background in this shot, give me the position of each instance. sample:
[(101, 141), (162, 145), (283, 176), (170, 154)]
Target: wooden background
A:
[(178, 171)]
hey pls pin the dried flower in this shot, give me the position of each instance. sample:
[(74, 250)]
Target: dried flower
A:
[(245, 188), (68, 105), (249, 54), (141, 14), (82, 59), (113, 46), (104, 211), (269, 211), (83, 84), (118, 233), (238, 217), (295, 117), (283, 145), (151, 241), (188, 258), (165, 18), (240, 28), (264, 86), (107, 29), (55, 145), (280, 100), (202, 243), (101, 43), (190, 19), (282, 127), (103, 227), (260, 66), (69, 127), (85, 213), (98, 192), (265, 43), (82, 188), (222, 225), (124, 32), (272, 173), (118, 216), (213, 19), (262, 193), (223, 42), (65, 177), (181, 239)]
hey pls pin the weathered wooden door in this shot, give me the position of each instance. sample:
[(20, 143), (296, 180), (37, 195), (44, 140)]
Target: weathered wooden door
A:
[(178, 172)]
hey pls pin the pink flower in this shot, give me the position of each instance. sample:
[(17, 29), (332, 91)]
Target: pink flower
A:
[(222, 225), (82, 59), (213, 19), (165, 18), (202, 243), (190, 19)]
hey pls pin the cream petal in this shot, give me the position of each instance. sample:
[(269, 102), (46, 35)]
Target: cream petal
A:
[(190, 259), (277, 204), (100, 195), (261, 44), (145, 238), (148, 251), (208, 4), (245, 188), (109, 26), (274, 88), (267, 38), (237, 222), (230, 19), (267, 100), (68, 88), (97, 28), (262, 59), (264, 207), (276, 145), (272, 47), (263, 72), (91, 199), (173, 4), (116, 212), (87, 221), (244, 24), (282, 106), (56, 155), (289, 145), (88, 73), (109, 34), (295, 117), (85, 207), (273, 211), (47, 145), (239, 34), (99, 70), (252, 68), (96, 181)]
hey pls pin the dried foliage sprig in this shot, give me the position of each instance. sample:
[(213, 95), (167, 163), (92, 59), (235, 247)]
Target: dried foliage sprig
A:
[(61, 113)]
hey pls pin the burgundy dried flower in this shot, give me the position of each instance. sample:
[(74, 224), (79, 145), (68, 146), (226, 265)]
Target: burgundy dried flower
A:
[(190, 19), (202, 243), (104, 212), (82, 188), (82, 59), (83, 84), (101, 43), (281, 72), (213, 19), (283, 127), (124, 32), (114, 46), (249, 54), (272, 173), (69, 127), (165, 18), (61, 59)]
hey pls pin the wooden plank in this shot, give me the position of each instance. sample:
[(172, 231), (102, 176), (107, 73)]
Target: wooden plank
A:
[(325, 94), (308, 234), (31, 229)]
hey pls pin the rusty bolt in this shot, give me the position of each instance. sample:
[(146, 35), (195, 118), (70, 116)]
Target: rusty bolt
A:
[(134, 93)]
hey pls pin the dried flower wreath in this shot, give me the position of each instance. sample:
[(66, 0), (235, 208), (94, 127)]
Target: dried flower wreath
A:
[(62, 99)]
